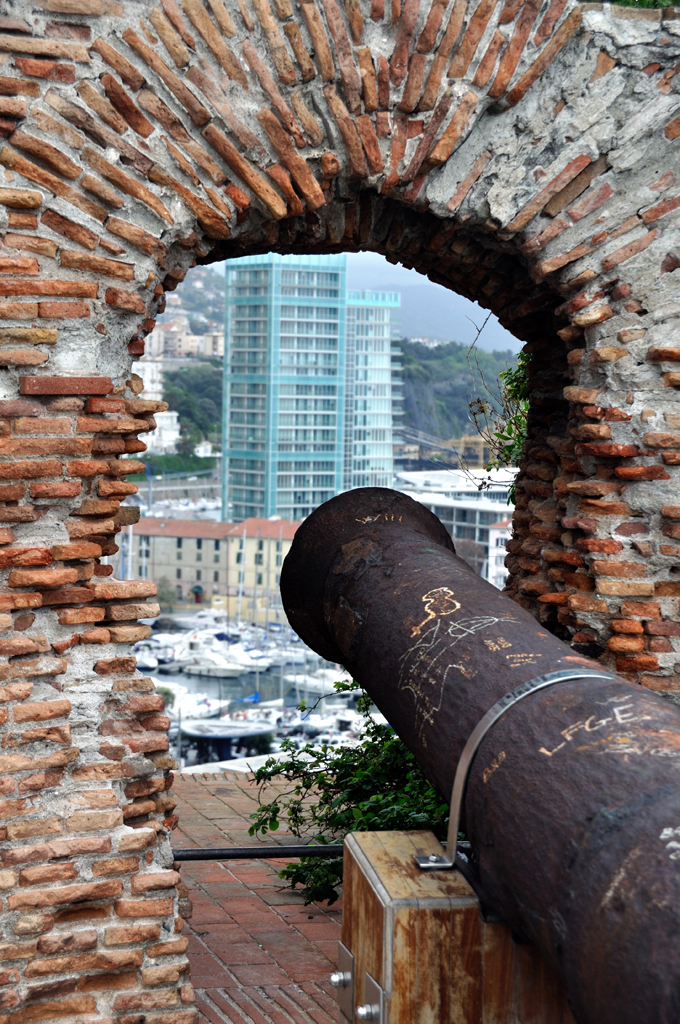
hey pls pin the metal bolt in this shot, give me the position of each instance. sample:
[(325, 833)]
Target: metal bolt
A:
[(340, 979), (433, 857), (368, 1012)]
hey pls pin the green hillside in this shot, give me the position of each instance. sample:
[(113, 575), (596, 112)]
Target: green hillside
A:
[(439, 383), (195, 392)]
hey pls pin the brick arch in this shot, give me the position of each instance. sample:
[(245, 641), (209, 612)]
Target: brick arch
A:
[(521, 153)]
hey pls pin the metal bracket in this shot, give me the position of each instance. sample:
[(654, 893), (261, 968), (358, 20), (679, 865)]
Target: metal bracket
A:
[(343, 981), (452, 857), (372, 1009)]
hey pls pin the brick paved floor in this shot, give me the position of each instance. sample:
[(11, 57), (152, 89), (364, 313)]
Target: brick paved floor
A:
[(258, 955)]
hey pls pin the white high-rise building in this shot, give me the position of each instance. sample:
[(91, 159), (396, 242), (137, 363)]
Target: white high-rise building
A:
[(368, 391), (307, 385)]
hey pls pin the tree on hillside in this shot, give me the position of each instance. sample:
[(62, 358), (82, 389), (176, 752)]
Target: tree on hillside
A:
[(438, 384), (195, 392)]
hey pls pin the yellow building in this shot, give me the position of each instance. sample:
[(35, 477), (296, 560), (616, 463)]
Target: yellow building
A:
[(471, 449), (234, 566)]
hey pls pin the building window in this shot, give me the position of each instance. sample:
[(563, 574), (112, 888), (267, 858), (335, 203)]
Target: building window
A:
[(278, 560), (216, 556), (216, 577), (178, 574), (178, 590), (259, 579), (258, 558), (239, 557), (199, 543), (217, 545), (179, 549), (143, 571), (199, 574)]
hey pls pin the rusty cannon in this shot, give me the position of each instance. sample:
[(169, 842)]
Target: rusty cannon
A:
[(572, 797)]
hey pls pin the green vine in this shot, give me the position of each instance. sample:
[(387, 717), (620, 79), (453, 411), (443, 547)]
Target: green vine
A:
[(374, 786), (501, 418)]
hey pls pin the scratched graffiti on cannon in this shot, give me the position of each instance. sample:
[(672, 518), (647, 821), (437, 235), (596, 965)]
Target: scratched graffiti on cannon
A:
[(618, 739), (421, 670)]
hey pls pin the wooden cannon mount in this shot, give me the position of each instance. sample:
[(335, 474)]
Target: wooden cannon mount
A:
[(416, 950)]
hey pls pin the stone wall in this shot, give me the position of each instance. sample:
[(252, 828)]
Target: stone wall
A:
[(524, 154)]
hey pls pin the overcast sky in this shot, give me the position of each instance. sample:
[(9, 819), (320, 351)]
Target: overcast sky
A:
[(427, 309)]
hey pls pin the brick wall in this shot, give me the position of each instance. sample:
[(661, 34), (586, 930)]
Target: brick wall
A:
[(524, 154)]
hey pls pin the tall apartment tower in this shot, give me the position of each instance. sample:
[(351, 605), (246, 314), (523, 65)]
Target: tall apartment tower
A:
[(368, 389), (307, 390)]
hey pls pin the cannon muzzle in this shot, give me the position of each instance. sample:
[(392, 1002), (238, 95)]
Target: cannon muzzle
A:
[(572, 806)]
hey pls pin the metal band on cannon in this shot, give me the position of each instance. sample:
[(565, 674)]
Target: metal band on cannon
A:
[(451, 859)]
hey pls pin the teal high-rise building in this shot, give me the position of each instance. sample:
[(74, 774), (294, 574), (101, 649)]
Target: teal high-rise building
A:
[(297, 361)]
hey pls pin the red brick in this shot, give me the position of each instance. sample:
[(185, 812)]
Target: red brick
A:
[(667, 589), (76, 616), (40, 666), (641, 473), (122, 935), (159, 880), (114, 590), (25, 556), (657, 628), (17, 645), (80, 549), (39, 781), (67, 595), (15, 691), (666, 684), (63, 942), (65, 385), (122, 299), (660, 645), (88, 468), (173, 947), (631, 529), (62, 489), (52, 1008), (144, 908), (42, 577), (63, 311), (42, 425), (26, 470), (78, 962), (627, 626), (641, 663), (53, 70), (103, 405), (115, 665), (57, 848), (603, 546), (592, 506), (608, 451), (46, 446), (41, 711)]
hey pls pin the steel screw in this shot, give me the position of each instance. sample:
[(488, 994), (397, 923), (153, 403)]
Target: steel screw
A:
[(368, 1012), (340, 979), (433, 857)]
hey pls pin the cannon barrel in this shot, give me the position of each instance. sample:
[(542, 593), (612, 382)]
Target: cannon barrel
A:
[(572, 806)]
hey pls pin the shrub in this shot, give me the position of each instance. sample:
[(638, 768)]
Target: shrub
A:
[(374, 786)]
